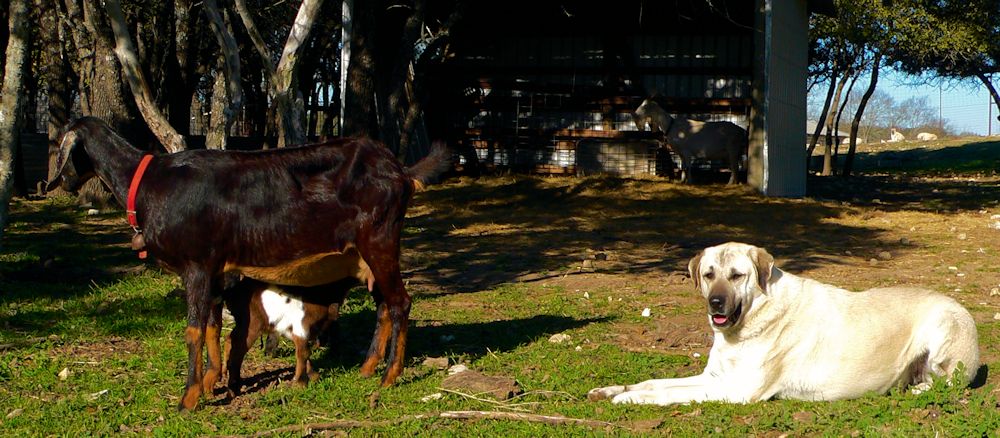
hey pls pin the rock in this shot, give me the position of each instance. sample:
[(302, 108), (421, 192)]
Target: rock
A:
[(438, 363), (457, 368), (431, 397), (478, 384), (646, 312), (885, 255), (588, 263), (996, 316), (559, 338), (15, 413), (904, 241), (873, 262), (962, 236), (93, 212), (600, 256)]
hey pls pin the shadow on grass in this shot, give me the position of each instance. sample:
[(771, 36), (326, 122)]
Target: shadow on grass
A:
[(482, 234), (975, 157), (49, 242), (468, 340)]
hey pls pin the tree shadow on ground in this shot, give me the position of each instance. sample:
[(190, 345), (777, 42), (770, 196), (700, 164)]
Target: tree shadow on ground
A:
[(483, 233), (58, 246), (429, 339)]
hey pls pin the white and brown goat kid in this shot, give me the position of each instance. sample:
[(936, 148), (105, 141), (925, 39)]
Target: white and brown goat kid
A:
[(302, 314)]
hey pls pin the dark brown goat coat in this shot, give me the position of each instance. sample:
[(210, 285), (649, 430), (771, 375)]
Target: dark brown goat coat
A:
[(301, 216)]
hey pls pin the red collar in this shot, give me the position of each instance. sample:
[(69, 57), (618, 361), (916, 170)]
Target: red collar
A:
[(132, 190)]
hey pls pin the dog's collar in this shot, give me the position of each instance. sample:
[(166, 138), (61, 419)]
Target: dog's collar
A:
[(130, 202)]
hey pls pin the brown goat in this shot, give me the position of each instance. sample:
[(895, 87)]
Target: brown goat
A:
[(299, 313), (300, 216)]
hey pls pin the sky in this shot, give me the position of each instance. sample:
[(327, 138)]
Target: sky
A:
[(966, 105)]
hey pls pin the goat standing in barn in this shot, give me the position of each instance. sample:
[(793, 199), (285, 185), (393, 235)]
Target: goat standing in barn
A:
[(300, 216), (693, 139)]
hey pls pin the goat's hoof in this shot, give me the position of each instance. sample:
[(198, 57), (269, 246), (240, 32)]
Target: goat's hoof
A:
[(190, 399)]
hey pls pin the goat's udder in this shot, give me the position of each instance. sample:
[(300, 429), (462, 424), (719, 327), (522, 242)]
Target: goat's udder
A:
[(313, 270)]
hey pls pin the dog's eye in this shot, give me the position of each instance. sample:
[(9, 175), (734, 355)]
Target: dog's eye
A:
[(710, 275), (736, 276)]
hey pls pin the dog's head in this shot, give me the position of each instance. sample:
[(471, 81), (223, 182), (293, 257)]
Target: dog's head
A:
[(730, 276)]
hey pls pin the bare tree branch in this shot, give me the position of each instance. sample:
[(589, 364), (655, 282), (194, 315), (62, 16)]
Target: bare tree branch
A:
[(258, 41), (126, 53)]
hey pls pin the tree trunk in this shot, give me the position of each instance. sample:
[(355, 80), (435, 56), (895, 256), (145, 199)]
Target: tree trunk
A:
[(11, 114), (993, 92), (217, 136), (822, 118), (359, 114), (227, 92), (126, 52), (831, 128), (840, 112), (291, 119), (397, 106), (286, 101), (849, 159), (56, 72)]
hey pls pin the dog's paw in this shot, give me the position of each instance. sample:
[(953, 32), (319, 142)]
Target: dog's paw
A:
[(920, 388), (604, 393), (636, 397)]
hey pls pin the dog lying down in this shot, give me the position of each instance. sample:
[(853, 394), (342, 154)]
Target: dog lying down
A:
[(778, 335)]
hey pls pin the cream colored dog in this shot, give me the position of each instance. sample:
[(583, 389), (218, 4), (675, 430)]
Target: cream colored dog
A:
[(782, 336)]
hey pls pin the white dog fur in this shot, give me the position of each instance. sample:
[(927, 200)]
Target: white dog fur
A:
[(778, 335)]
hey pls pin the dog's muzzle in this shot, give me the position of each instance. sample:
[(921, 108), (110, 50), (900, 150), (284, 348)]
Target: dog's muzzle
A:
[(723, 309)]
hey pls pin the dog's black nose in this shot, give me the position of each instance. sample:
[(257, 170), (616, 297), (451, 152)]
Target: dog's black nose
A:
[(717, 303)]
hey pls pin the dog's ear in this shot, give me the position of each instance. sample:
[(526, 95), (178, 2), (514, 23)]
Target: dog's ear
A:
[(763, 262), (693, 267)]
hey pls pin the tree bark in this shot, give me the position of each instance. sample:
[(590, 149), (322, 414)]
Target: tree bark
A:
[(56, 73), (126, 52), (286, 101), (822, 117), (227, 93), (11, 114), (993, 91), (397, 106), (840, 112), (849, 159), (359, 114), (831, 128)]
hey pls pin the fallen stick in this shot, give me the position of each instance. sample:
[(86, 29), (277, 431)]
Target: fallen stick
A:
[(299, 429), (520, 416)]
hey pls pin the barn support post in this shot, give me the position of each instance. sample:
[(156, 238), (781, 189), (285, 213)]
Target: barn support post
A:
[(776, 158)]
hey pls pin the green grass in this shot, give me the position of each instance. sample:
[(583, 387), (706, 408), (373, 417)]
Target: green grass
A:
[(73, 297)]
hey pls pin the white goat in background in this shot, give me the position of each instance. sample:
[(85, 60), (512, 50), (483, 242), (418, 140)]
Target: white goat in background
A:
[(693, 139), (926, 136), (895, 136)]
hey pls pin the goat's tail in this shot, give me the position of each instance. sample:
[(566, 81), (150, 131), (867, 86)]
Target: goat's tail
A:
[(425, 171)]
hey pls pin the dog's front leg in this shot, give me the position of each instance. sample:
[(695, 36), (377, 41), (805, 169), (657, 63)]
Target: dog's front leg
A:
[(654, 385)]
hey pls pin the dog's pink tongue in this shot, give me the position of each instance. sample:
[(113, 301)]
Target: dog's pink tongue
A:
[(719, 319)]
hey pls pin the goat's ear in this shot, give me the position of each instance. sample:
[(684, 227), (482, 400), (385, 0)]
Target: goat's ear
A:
[(694, 266), (69, 142), (764, 263)]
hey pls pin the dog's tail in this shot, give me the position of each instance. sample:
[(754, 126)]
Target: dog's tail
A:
[(426, 171)]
